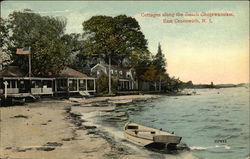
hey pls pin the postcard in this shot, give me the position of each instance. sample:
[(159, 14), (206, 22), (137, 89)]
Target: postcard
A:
[(124, 80)]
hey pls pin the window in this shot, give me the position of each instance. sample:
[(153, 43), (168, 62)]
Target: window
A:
[(8, 85), (13, 84), (47, 84), (128, 74), (33, 84)]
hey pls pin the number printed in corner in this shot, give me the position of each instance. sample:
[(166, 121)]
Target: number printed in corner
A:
[(220, 141)]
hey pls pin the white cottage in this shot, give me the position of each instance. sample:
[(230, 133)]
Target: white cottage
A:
[(126, 76)]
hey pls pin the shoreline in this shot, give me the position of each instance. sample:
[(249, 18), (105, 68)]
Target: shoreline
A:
[(54, 129)]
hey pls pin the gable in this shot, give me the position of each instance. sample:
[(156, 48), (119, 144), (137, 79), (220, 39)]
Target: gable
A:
[(98, 67)]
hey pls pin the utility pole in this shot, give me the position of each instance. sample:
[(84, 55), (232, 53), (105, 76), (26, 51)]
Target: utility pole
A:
[(29, 62), (160, 84), (110, 92)]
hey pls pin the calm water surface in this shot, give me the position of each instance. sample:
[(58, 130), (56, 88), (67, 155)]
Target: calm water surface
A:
[(214, 123)]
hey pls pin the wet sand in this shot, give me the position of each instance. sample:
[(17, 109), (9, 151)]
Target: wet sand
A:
[(53, 129)]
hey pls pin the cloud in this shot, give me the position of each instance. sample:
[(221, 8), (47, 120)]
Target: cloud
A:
[(45, 12)]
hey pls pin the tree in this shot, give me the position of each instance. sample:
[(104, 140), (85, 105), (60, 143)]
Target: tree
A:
[(160, 64), (5, 58), (4, 36), (3, 32), (102, 83), (159, 60), (171, 84), (45, 35), (73, 44), (113, 36), (151, 75), (117, 37)]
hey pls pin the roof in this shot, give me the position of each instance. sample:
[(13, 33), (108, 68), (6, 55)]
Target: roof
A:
[(12, 71), (69, 72), (15, 71), (98, 65), (117, 70), (115, 67)]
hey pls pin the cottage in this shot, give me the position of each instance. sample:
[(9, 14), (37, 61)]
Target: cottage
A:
[(126, 76), (72, 81), (15, 83)]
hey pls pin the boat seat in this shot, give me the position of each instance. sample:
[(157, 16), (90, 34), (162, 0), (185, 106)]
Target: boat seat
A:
[(150, 131), (144, 130)]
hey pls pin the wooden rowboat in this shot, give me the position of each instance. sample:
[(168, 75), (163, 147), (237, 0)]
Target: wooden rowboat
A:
[(121, 101), (150, 137)]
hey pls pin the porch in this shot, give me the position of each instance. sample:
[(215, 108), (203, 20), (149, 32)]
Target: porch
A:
[(14, 86), (75, 84), (125, 84)]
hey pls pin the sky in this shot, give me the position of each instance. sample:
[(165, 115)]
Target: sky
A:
[(215, 52)]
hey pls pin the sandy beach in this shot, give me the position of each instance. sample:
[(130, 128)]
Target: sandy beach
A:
[(53, 129)]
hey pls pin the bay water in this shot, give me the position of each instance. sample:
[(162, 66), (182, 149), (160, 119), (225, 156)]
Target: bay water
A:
[(214, 123)]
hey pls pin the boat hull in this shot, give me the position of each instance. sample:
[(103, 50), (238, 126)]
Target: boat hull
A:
[(137, 141), (145, 136)]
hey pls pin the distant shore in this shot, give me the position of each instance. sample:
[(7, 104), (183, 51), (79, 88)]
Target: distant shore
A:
[(53, 129), (217, 86)]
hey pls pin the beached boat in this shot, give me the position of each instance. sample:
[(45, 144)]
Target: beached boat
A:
[(150, 137), (121, 101)]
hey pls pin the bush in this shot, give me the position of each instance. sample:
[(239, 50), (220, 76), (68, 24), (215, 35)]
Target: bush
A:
[(102, 84)]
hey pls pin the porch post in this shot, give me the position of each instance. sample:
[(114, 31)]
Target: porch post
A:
[(94, 85), (55, 85), (16, 84), (77, 85), (68, 84), (86, 84), (5, 88), (41, 87), (52, 86)]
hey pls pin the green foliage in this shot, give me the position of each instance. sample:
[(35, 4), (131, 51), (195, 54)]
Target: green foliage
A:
[(171, 84), (151, 74), (72, 41), (50, 47), (103, 82), (118, 36), (74, 46), (159, 60), (4, 36)]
